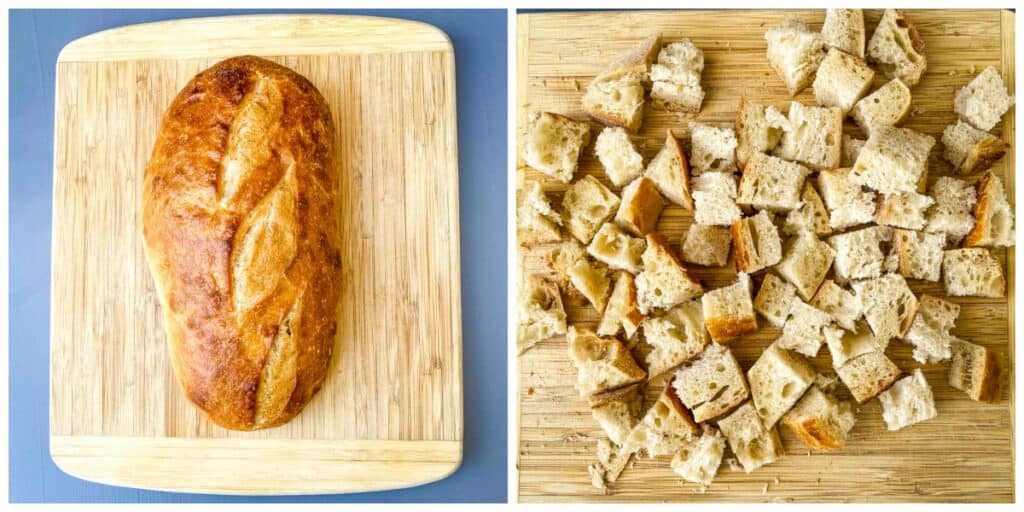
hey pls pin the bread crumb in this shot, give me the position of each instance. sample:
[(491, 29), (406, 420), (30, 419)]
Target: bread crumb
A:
[(952, 72), (733, 464), (973, 69), (576, 84), (776, 480), (764, 490), (702, 489), (573, 437), (529, 391)]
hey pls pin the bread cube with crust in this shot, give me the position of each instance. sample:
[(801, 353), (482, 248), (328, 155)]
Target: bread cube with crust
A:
[(670, 172), (616, 99), (758, 129), (711, 384), (844, 345), (664, 282), (553, 144), (813, 136), (666, 428), (868, 374), (805, 261), (698, 461), (617, 411), (774, 299), (640, 207), (972, 272), (602, 364), (821, 421), (753, 444), (729, 312), (889, 105), (848, 203), (840, 303), (714, 196), (777, 380), (893, 160), (889, 305), (589, 278), (841, 80), (919, 254), (794, 52), (908, 401), (675, 337), (586, 206), (615, 248), (812, 216), (903, 210), (897, 48), (969, 149), (622, 312), (983, 101), (707, 245), (621, 161), (538, 223), (930, 331), (975, 370), (541, 314), (756, 243), (844, 30), (993, 216)]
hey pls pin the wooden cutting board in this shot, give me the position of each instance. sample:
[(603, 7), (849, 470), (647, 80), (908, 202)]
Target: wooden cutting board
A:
[(965, 454), (390, 412)]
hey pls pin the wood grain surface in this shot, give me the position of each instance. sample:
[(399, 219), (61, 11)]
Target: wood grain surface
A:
[(390, 411), (965, 454)]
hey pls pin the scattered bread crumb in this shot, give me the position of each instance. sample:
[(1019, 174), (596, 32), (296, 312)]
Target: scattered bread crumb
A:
[(973, 69), (776, 480), (573, 437), (952, 72), (733, 464), (702, 489), (576, 84), (764, 490)]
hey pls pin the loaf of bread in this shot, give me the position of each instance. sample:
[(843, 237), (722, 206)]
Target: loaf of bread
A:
[(241, 231)]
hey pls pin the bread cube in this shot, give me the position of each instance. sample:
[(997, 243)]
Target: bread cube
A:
[(972, 272), (714, 196), (820, 421), (771, 183), (622, 311), (893, 160), (758, 129), (664, 282), (889, 105), (615, 248), (586, 206), (844, 30), (611, 462), (993, 217), (753, 444), (897, 48), (756, 243), (774, 299), (640, 207), (666, 428), (813, 136), (794, 52), (712, 149), (842, 79), (712, 383), (868, 374), (975, 370), (616, 99), (848, 204), (812, 216), (889, 305), (851, 149), (845, 345), (805, 262), (804, 332), (840, 303), (538, 223), (639, 58), (969, 149), (675, 337), (541, 314), (777, 380), (907, 402), (951, 213), (707, 245), (858, 253), (617, 411), (553, 144), (729, 312), (919, 253), (670, 172), (698, 461), (903, 210), (621, 161), (602, 364), (929, 332), (983, 101), (676, 77), (591, 279)]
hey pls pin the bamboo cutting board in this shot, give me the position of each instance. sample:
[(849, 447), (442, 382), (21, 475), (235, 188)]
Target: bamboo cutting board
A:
[(390, 411), (965, 454)]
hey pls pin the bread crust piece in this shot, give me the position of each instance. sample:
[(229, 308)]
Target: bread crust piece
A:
[(638, 58), (667, 184), (242, 238), (640, 207), (969, 360), (991, 213)]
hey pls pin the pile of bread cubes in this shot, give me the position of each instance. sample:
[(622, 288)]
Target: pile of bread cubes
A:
[(829, 226)]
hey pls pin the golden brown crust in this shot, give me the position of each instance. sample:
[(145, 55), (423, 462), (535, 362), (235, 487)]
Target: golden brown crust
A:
[(242, 238), (985, 153), (989, 386), (915, 38), (986, 197), (644, 208), (661, 244), (814, 432), (726, 329), (684, 164), (741, 252)]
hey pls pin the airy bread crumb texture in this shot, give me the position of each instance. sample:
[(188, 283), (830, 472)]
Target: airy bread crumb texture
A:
[(972, 272), (984, 100), (712, 148), (586, 205), (794, 52), (907, 402), (554, 143), (729, 312), (676, 77), (711, 384), (706, 245), (844, 30), (675, 337), (774, 299), (621, 161), (541, 314), (897, 48)]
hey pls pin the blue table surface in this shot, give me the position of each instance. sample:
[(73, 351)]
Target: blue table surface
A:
[(480, 41)]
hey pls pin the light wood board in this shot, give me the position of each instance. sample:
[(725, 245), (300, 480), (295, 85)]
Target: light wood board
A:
[(390, 411), (965, 454)]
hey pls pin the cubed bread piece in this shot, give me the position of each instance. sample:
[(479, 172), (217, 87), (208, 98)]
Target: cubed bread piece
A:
[(666, 427), (889, 305), (615, 248), (888, 105), (756, 243), (805, 261), (670, 172), (698, 461), (919, 253), (975, 370), (611, 462), (844, 30), (712, 149), (664, 282), (972, 272), (804, 332), (753, 444), (675, 337), (794, 52), (774, 299), (820, 420), (621, 161), (553, 144), (616, 99), (771, 183), (640, 207), (591, 279), (602, 364), (840, 303), (851, 149), (712, 383), (729, 312), (587, 205), (846, 345), (777, 380), (841, 80), (707, 245), (638, 58), (868, 374), (858, 253), (617, 411), (897, 48), (758, 129), (813, 136), (812, 215), (993, 217), (714, 197), (538, 222), (541, 314), (622, 311), (848, 203), (562, 257), (929, 333), (893, 160), (969, 149), (951, 213), (908, 401), (903, 210), (983, 101), (676, 77)]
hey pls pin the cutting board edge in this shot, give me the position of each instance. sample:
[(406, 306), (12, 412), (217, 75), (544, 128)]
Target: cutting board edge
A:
[(420, 463)]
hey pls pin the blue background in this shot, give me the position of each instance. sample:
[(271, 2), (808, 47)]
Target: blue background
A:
[(480, 39)]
